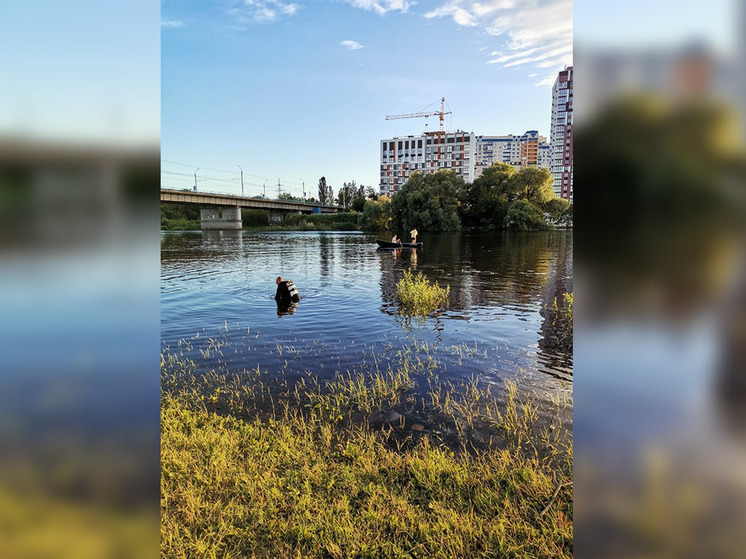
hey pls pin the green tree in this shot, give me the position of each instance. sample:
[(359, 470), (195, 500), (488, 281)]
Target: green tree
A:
[(377, 214), (349, 193), (534, 184), (428, 202), (524, 216), (358, 204), (325, 192), (559, 209), (486, 200)]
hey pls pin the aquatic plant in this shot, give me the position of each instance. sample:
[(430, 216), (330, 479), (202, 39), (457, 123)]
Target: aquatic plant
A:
[(418, 296), (564, 309)]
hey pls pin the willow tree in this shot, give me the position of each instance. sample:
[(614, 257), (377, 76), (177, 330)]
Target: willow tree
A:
[(534, 184), (486, 200), (428, 202)]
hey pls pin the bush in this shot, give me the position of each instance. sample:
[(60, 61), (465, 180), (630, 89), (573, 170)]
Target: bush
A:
[(377, 214), (345, 221), (254, 218)]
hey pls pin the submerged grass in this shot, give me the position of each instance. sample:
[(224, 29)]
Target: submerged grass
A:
[(305, 472), (417, 296)]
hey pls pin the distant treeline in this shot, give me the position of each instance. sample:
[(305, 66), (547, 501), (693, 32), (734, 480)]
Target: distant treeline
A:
[(501, 198), (185, 217)]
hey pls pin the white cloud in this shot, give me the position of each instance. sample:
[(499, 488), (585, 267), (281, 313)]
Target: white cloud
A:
[(548, 81), (352, 45), (381, 6), (173, 24), (459, 15), (262, 11), (538, 32)]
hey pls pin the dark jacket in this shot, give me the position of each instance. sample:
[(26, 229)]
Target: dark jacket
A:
[(287, 292)]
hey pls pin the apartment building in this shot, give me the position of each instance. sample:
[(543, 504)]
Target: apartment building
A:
[(561, 134), (426, 153), (529, 149)]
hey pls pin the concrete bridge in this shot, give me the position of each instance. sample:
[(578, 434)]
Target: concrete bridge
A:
[(223, 211)]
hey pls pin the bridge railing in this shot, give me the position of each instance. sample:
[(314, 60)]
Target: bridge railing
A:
[(238, 196)]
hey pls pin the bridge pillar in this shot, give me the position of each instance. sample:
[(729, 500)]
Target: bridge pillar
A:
[(221, 218)]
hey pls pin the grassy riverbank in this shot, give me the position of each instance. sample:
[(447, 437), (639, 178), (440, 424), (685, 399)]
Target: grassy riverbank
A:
[(329, 469)]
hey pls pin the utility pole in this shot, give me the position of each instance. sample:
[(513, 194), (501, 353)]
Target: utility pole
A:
[(279, 190), (304, 188), (239, 166), (264, 186), (195, 179)]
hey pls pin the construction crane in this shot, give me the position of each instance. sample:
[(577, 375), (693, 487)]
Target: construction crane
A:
[(441, 114)]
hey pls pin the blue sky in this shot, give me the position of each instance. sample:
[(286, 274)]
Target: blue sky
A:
[(81, 70), (296, 90)]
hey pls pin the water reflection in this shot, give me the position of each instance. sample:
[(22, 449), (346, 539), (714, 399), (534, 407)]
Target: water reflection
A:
[(221, 287), (286, 309), (501, 277)]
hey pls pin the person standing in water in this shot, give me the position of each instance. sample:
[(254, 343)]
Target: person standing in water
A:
[(286, 291)]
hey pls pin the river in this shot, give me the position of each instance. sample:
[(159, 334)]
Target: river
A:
[(217, 303)]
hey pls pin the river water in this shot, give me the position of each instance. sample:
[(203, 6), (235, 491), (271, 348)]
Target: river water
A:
[(217, 303)]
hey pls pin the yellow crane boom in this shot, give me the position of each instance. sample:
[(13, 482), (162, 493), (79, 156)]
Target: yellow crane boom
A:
[(441, 114)]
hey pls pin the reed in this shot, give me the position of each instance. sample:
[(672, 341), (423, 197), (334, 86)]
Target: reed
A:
[(418, 296)]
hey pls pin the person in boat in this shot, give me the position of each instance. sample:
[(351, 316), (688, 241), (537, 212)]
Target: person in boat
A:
[(395, 239), (286, 292), (413, 234)]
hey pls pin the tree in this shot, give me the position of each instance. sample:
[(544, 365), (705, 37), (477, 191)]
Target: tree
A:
[(428, 202), (377, 214), (559, 210), (485, 202), (358, 204), (522, 215), (534, 184), (349, 193), (325, 192)]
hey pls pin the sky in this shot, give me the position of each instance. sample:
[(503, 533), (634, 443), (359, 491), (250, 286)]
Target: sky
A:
[(296, 90), (81, 71), (300, 89), (663, 23)]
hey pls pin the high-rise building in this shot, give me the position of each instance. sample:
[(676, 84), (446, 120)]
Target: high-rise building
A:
[(560, 134), (426, 153), (529, 149)]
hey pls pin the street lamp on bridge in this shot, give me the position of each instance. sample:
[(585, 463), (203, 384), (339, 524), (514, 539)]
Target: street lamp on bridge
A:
[(239, 166)]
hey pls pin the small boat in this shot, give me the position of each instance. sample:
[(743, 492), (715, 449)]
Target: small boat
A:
[(389, 244)]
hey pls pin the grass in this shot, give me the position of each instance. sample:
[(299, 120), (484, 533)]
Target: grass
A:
[(256, 466), (36, 524), (561, 313), (417, 296), (565, 308)]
